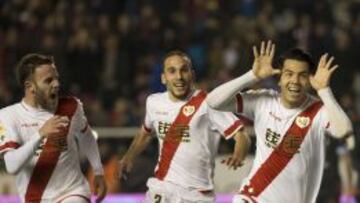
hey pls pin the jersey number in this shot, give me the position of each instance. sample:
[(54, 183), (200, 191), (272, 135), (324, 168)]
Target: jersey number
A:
[(157, 198)]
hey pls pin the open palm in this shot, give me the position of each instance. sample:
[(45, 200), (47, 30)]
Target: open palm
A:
[(321, 79), (262, 65)]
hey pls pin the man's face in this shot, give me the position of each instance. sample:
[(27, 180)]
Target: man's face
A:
[(294, 82), (177, 76), (46, 86)]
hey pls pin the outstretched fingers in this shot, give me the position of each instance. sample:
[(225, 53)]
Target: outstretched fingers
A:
[(332, 69), (329, 62), (256, 53), (268, 48), (262, 49)]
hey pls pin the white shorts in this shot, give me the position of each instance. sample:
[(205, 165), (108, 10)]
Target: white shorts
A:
[(166, 192), (238, 198), (74, 199)]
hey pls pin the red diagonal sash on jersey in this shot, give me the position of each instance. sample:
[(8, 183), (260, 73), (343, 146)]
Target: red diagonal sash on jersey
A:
[(49, 156), (173, 137), (283, 153)]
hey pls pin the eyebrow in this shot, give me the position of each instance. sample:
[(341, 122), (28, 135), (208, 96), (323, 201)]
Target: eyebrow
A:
[(287, 70)]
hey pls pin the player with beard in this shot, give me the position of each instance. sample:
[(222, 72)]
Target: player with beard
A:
[(290, 126), (40, 139), (188, 132)]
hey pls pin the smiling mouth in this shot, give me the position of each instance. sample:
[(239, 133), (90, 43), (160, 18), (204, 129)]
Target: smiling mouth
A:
[(294, 89), (179, 85)]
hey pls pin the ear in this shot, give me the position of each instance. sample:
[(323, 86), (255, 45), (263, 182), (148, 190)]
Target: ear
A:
[(29, 86), (163, 80)]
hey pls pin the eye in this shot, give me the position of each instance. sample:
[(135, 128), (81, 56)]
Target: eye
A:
[(48, 80), (304, 75), (288, 74), (171, 70)]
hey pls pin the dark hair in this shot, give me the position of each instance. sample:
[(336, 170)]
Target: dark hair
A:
[(180, 53), (300, 55), (27, 65)]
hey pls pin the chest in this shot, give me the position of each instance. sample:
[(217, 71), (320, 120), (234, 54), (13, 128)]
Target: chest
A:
[(183, 121)]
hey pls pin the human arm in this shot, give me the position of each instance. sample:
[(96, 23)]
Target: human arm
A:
[(347, 172), (15, 159), (89, 147), (242, 145), (139, 143), (339, 121), (223, 97)]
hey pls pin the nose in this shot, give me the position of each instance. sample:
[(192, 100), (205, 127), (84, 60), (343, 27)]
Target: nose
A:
[(56, 83), (178, 75), (295, 78)]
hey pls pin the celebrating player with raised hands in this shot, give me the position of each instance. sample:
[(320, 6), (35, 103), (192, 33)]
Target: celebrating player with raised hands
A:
[(290, 125)]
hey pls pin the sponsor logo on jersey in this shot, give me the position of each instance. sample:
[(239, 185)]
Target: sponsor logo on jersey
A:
[(161, 113), (272, 114), (188, 110), (271, 138), (28, 125), (292, 144), (181, 132), (302, 122)]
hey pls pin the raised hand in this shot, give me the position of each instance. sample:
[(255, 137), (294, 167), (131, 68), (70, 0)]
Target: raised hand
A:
[(321, 79), (262, 66)]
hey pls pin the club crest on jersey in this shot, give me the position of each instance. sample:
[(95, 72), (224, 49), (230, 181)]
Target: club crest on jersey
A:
[(302, 122), (188, 110)]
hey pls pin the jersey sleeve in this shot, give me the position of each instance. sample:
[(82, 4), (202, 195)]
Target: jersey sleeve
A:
[(247, 102), (9, 138), (148, 120), (224, 122), (325, 123), (81, 120)]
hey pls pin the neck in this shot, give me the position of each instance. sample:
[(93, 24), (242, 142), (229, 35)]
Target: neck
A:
[(31, 101), (186, 97)]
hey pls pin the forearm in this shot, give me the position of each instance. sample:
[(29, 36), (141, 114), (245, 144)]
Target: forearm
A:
[(17, 158), (140, 142), (242, 144), (338, 119), (345, 173), (222, 97), (90, 148)]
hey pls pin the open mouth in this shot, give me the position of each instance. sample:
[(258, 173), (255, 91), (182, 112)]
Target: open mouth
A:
[(53, 95)]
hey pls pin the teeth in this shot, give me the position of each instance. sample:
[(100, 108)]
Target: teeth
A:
[(294, 89), (179, 85)]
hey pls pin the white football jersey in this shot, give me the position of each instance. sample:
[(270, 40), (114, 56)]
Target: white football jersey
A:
[(298, 180), (191, 162), (54, 169)]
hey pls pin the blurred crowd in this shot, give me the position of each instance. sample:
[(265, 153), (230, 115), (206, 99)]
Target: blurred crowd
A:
[(109, 52)]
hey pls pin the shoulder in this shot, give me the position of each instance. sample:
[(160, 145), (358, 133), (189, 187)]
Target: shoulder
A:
[(155, 98), (262, 93), (8, 114), (10, 110), (68, 105), (69, 100)]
